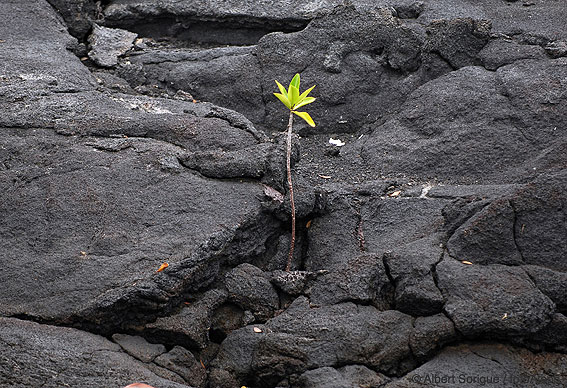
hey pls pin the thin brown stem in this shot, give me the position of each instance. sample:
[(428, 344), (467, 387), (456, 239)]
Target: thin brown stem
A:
[(288, 163)]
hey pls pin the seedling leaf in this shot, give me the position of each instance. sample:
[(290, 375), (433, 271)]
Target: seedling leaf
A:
[(282, 89), (293, 95), (305, 101), (305, 116), (283, 99), (295, 81), (305, 93)]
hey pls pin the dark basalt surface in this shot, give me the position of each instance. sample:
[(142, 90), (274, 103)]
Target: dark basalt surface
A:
[(431, 247)]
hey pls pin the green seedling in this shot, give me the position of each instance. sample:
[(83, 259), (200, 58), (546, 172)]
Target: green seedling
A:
[(293, 100)]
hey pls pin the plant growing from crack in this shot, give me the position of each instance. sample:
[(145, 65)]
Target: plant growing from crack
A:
[(293, 101)]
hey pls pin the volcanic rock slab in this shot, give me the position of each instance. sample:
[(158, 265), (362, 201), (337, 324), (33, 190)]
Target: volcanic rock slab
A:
[(41, 355), (89, 217), (304, 338), (479, 365)]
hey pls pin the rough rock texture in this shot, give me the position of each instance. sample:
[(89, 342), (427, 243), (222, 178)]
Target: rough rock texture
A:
[(250, 288), (182, 362), (351, 376), (143, 194), (363, 72), (430, 333), (484, 365), (107, 44), (440, 135), (78, 15), (320, 52), (493, 299), (527, 226), (502, 52), (509, 17), (304, 338), (411, 268), (362, 279), (372, 222), (488, 237), (74, 358), (138, 347), (91, 218), (189, 327), (235, 22), (550, 283)]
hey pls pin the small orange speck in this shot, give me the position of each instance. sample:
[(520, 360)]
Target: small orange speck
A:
[(466, 262), (308, 224), (162, 267), (202, 364)]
